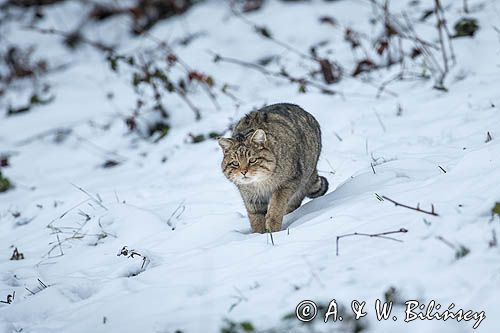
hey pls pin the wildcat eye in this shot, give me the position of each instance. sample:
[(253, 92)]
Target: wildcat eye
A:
[(235, 164), (252, 160)]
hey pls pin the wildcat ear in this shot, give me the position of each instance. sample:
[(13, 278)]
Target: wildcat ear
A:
[(259, 137), (225, 143)]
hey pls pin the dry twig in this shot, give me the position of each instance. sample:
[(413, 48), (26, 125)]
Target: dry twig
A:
[(302, 81), (418, 209), (378, 235), (96, 200)]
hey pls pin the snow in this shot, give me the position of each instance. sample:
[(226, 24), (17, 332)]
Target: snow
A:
[(203, 264)]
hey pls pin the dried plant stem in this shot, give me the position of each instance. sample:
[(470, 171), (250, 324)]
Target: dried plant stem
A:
[(418, 209), (10, 298), (446, 242), (184, 65), (279, 74), (440, 27), (97, 201), (98, 45), (377, 235), (258, 28), (271, 235)]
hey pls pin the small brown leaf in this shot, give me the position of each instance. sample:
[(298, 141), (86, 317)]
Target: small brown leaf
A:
[(390, 30), (365, 65), (4, 161), (329, 74), (415, 52), (381, 46), (131, 123), (251, 5), (352, 37), (171, 59)]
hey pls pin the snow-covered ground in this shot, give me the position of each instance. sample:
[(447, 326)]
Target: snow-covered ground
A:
[(170, 202)]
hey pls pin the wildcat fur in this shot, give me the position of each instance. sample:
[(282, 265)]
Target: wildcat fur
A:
[(272, 158)]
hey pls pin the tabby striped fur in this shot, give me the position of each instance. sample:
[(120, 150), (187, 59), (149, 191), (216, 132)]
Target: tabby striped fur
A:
[(272, 158)]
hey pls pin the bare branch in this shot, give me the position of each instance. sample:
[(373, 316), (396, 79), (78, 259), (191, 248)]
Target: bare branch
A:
[(279, 74), (418, 209), (377, 235), (98, 45)]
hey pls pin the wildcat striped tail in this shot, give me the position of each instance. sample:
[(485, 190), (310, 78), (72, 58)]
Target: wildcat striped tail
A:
[(318, 187)]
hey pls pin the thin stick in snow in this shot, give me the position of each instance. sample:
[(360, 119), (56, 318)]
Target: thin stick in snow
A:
[(42, 284), (39, 288), (272, 240), (418, 209), (59, 243), (97, 201), (493, 242), (32, 293), (460, 250), (488, 137), (447, 242), (442, 29), (378, 235), (282, 74), (380, 122), (240, 298), (179, 210), (66, 212)]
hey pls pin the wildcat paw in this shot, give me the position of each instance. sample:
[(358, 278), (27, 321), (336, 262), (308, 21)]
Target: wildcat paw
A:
[(259, 229), (257, 222), (273, 224)]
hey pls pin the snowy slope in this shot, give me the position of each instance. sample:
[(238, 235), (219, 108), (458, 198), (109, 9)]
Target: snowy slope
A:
[(170, 202)]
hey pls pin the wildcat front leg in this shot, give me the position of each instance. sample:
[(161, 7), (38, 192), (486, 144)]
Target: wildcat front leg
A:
[(257, 222), (295, 201), (256, 210), (277, 208)]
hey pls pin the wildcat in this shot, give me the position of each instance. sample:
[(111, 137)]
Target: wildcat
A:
[(272, 157)]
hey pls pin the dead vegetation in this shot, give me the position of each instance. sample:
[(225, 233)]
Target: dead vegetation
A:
[(132, 254), (16, 255), (397, 43), (460, 250), (417, 208), (21, 70), (78, 228), (382, 235), (10, 298), (5, 183), (38, 288), (160, 78)]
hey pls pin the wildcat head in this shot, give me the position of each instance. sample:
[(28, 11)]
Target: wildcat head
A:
[(247, 160)]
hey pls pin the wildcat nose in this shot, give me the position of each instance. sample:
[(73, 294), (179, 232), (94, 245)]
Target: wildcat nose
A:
[(244, 172)]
